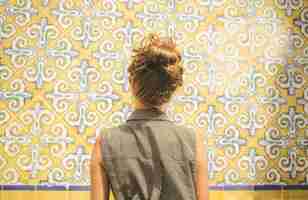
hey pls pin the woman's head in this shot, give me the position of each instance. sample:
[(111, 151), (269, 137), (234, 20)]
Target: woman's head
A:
[(155, 71)]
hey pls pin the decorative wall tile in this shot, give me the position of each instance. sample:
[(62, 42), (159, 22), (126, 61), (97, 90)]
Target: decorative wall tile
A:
[(63, 80)]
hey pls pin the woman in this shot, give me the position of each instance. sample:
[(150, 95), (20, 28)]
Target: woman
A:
[(149, 157)]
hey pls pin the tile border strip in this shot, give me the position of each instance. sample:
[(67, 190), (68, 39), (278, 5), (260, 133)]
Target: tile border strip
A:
[(212, 187)]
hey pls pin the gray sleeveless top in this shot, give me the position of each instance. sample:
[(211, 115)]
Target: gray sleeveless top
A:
[(150, 158)]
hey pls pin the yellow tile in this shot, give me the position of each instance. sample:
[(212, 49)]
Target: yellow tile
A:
[(296, 195), (78, 195), (214, 195), (231, 195), (268, 195), (217, 195), (52, 195), (12, 195)]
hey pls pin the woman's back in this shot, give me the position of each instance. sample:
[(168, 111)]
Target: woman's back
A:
[(149, 157)]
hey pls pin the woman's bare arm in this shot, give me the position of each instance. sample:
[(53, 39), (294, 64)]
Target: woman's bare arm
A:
[(201, 167), (99, 180)]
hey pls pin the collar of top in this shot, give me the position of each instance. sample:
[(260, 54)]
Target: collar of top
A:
[(148, 114)]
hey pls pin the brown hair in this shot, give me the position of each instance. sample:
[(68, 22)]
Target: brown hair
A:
[(156, 70)]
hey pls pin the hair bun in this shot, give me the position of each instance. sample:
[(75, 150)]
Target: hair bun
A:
[(157, 69)]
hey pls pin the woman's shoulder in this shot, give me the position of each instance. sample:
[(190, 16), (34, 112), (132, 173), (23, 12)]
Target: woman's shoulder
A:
[(113, 130), (187, 129), (188, 133)]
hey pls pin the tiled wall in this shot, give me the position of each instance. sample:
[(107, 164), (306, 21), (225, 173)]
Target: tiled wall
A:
[(63, 79)]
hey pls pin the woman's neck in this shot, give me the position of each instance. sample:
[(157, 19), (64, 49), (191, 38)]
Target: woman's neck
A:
[(140, 105)]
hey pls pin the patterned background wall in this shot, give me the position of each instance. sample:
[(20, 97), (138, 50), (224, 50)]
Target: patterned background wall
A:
[(63, 79)]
